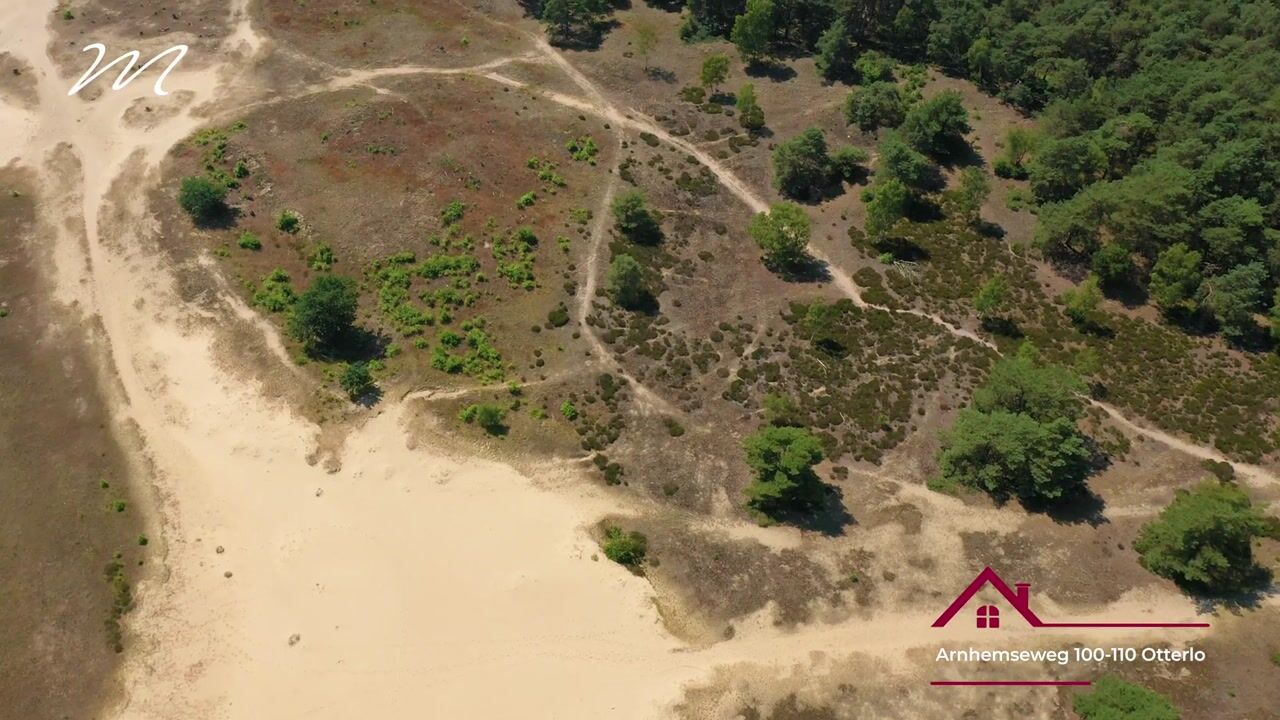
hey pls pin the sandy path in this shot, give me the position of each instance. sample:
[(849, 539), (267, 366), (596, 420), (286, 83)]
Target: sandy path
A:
[(416, 585)]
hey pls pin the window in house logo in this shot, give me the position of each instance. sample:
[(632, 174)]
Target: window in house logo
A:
[(987, 616)]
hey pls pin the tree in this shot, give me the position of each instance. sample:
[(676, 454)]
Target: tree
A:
[(325, 313), (634, 218), (782, 233), (783, 459), (624, 282), (646, 40), (874, 106), (801, 167), (901, 161), (1234, 296), (1175, 278), (356, 380), (753, 30), (972, 193), (1019, 143), (1113, 264), (1114, 699), (1070, 229), (1014, 455), (1274, 318), (566, 19), (1062, 167), (834, 51), (938, 124), (715, 68), (203, 199), (1023, 384), (874, 68), (846, 162), (1081, 304), (990, 298), (1203, 539), (750, 115), (887, 204)]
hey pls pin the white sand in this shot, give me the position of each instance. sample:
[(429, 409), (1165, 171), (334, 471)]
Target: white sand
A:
[(417, 586)]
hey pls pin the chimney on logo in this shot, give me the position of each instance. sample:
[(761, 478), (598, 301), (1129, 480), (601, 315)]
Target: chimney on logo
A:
[(1022, 593)]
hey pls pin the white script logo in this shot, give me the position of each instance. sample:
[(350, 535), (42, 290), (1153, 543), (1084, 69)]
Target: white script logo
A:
[(125, 76)]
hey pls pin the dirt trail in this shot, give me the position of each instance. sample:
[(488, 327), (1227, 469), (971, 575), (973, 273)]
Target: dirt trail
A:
[(387, 589), (637, 121)]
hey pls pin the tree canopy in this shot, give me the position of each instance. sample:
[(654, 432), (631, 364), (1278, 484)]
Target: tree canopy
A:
[(782, 233), (874, 106), (938, 124), (1203, 539), (1019, 437), (624, 282), (801, 166), (782, 459), (325, 313), (634, 218)]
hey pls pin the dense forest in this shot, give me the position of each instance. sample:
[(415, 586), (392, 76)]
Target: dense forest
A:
[(1155, 166)]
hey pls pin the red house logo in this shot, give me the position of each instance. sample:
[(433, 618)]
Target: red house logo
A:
[(1019, 597)]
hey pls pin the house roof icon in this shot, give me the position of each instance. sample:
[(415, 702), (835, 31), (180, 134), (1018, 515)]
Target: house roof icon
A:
[(1019, 597)]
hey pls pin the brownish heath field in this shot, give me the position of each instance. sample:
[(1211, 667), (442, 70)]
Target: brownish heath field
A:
[(69, 550)]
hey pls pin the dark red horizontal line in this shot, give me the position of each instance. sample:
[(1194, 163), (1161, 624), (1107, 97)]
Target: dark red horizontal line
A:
[(1015, 683), (1123, 625)]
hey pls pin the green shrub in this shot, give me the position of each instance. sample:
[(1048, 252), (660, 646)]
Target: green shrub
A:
[(276, 293), (453, 212), (486, 415), (249, 241), (558, 317), (356, 380), (288, 221), (203, 199), (625, 548), (569, 411), (1115, 699)]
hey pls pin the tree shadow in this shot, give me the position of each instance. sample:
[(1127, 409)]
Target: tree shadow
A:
[(769, 70), (807, 269), (1003, 327), (661, 74), (221, 218), (355, 345), (588, 38), (1255, 587), (825, 514), (1126, 292), (369, 398), (902, 248), (646, 304), (957, 154), (988, 229), (671, 6), (1081, 507)]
